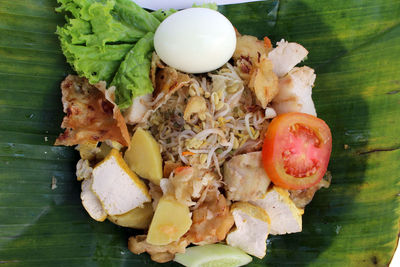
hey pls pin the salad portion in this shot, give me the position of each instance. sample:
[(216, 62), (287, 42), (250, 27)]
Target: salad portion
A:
[(206, 164)]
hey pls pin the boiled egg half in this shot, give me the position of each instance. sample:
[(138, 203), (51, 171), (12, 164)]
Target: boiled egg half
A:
[(195, 40)]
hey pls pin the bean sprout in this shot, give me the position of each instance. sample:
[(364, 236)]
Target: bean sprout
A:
[(232, 114)]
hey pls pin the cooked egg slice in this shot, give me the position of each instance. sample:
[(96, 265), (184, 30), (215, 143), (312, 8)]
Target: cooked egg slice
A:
[(195, 40)]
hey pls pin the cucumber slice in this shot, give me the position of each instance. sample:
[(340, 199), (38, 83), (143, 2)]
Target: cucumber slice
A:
[(214, 255)]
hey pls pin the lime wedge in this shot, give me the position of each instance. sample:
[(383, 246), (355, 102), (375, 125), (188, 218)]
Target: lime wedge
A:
[(214, 255)]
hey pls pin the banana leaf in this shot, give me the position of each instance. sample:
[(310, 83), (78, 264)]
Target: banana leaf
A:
[(355, 49)]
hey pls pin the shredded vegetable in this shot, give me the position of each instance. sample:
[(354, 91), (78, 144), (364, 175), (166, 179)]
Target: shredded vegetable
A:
[(231, 121)]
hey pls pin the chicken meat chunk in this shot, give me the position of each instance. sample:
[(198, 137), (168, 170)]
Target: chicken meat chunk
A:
[(295, 92), (245, 178), (187, 184), (285, 56), (211, 220), (135, 113)]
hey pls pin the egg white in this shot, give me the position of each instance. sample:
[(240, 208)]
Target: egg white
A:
[(195, 40)]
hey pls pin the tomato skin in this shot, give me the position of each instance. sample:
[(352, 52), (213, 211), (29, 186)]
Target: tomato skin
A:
[(281, 137)]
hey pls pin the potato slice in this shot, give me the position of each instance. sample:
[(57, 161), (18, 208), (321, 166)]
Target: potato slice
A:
[(144, 157), (88, 149), (171, 220), (106, 147), (138, 218), (104, 151)]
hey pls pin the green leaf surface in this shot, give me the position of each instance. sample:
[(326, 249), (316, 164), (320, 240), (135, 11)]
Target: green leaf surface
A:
[(100, 39), (355, 49), (132, 77)]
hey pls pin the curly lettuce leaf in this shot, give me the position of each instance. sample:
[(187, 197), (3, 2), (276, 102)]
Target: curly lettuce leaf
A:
[(95, 23), (107, 29), (163, 14), (112, 41), (95, 63), (133, 76), (129, 13)]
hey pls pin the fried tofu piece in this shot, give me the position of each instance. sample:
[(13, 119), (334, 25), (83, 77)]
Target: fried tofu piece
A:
[(284, 215), (117, 187), (245, 178), (252, 229), (92, 115), (83, 170), (90, 201)]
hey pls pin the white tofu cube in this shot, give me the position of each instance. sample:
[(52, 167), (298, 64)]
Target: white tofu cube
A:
[(284, 215), (90, 201), (252, 228), (117, 187)]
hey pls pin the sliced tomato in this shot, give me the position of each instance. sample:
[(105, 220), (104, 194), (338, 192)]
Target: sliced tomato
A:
[(296, 150)]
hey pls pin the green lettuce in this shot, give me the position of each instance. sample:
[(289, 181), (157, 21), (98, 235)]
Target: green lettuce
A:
[(134, 16), (163, 14), (95, 23), (103, 39), (132, 78), (95, 63)]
